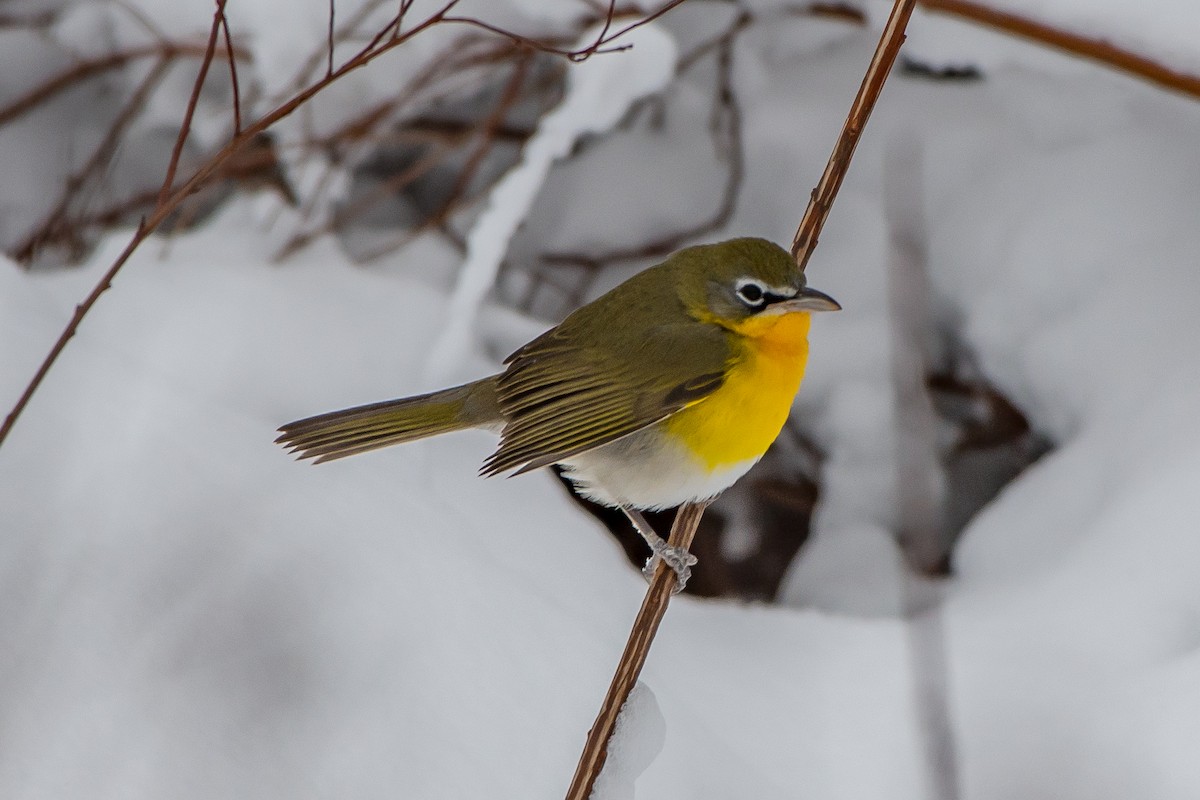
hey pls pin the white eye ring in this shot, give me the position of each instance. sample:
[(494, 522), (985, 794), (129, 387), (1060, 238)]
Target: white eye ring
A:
[(751, 292)]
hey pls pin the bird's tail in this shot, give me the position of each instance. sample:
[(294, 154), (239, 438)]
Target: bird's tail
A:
[(357, 430)]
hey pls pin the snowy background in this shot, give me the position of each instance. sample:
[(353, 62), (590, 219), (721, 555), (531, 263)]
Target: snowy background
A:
[(185, 612)]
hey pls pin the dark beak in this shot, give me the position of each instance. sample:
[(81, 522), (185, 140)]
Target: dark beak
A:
[(808, 300)]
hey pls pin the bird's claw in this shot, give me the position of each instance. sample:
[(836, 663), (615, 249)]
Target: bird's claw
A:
[(677, 558)]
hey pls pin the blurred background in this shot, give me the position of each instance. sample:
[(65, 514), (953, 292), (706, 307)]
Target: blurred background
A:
[(965, 569)]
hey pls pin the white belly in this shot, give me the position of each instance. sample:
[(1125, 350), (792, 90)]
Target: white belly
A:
[(645, 470)]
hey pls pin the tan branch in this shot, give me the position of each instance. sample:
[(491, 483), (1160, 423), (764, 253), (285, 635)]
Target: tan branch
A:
[(860, 110), (645, 626), (1095, 49), (659, 594)]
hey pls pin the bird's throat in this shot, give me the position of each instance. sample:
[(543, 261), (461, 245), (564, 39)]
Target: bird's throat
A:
[(740, 420)]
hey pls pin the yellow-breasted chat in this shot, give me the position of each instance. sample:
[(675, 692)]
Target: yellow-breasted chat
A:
[(663, 391)]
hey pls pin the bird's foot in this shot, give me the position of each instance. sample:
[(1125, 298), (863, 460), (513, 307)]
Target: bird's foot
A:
[(677, 558)]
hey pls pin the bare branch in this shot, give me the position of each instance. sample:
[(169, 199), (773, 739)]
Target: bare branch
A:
[(645, 626), (89, 69), (489, 130), (729, 145), (322, 53), (443, 138), (170, 197), (597, 47), (657, 597), (329, 39), (233, 76), (1094, 49), (860, 110), (143, 19), (343, 215), (186, 127), (56, 224), (646, 20)]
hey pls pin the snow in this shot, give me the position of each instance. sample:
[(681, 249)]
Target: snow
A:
[(185, 612), (599, 93), (1167, 29), (637, 739)]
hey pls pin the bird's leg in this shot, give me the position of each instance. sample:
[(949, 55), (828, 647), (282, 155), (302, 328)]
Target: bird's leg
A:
[(677, 558)]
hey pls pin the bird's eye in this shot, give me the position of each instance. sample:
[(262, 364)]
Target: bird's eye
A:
[(751, 293)]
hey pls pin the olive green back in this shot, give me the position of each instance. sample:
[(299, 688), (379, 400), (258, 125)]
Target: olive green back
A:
[(619, 364), (623, 362)]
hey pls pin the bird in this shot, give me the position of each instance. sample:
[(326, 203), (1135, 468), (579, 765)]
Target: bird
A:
[(663, 391)]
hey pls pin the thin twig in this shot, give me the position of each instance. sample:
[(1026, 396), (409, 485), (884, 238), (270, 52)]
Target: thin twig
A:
[(193, 100), (1095, 49), (142, 18), (728, 140), (645, 20), (389, 29), (57, 225), (320, 54), (88, 69), (682, 532), (443, 137), (489, 129), (597, 47), (170, 198), (645, 626), (368, 199), (330, 42), (233, 76), (860, 110)]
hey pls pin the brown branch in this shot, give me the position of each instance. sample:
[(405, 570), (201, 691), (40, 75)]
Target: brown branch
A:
[(682, 532), (726, 106), (598, 45), (233, 76), (143, 19), (111, 215), (321, 53), (645, 626), (459, 56), (169, 202), (1094, 49), (170, 199), (730, 147), (393, 26), (255, 166), (56, 225), (444, 137), (88, 69), (645, 20), (33, 20), (329, 38), (369, 199), (490, 128), (193, 100), (860, 110)]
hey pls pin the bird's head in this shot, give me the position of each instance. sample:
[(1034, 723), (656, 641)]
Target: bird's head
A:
[(743, 283)]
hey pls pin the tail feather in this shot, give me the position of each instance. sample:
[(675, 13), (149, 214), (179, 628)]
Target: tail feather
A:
[(357, 430)]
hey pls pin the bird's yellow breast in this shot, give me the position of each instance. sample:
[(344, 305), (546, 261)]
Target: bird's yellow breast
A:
[(740, 420)]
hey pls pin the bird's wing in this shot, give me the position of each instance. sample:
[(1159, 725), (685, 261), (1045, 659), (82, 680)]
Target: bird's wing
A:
[(561, 398)]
